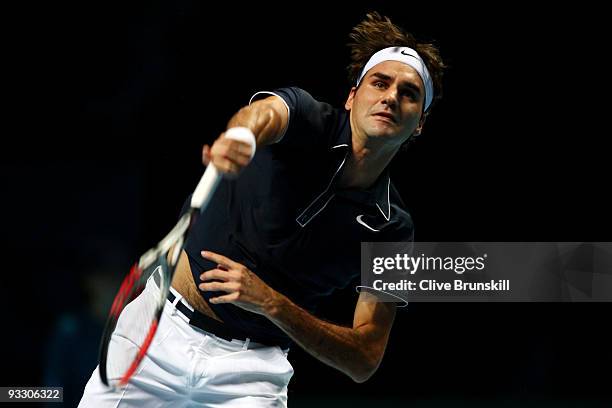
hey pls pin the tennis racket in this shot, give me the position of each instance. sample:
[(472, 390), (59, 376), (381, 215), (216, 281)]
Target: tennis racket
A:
[(133, 319)]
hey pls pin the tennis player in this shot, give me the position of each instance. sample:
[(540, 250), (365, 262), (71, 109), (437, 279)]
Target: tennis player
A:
[(283, 231)]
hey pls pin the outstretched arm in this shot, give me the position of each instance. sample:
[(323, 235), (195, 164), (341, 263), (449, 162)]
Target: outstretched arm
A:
[(266, 118)]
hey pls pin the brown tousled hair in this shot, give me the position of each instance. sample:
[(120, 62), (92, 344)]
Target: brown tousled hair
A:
[(377, 32)]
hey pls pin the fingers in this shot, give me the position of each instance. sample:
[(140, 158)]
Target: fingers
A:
[(234, 150), (221, 260), (227, 277), (228, 155), (218, 274), (227, 166), (229, 287), (239, 147), (228, 280), (232, 297)]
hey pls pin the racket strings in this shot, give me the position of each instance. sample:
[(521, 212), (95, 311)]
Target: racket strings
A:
[(139, 307)]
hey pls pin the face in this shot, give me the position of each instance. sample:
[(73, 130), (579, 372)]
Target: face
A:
[(388, 103)]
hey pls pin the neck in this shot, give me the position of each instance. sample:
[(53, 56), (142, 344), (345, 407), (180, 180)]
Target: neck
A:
[(368, 160)]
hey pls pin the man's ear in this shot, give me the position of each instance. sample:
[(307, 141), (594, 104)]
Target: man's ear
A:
[(349, 101), (419, 128)]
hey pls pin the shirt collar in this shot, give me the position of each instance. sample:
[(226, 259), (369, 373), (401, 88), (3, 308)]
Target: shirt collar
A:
[(379, 193), (376, 196)]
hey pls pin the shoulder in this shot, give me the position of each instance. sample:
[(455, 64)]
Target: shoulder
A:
[(304, 106), (312, 123), (294, 97)]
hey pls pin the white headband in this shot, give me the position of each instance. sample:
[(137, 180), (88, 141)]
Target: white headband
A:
[(409, 57)]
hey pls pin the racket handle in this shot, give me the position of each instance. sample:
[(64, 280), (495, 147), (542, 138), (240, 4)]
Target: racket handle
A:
[(209, 181)]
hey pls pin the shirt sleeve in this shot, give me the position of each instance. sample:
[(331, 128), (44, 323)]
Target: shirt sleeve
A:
[(309, 120)]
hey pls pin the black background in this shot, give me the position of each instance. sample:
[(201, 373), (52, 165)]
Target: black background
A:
[(108, 105)]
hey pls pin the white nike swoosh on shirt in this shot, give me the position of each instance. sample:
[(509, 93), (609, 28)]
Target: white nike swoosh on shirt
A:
[(359, 220)]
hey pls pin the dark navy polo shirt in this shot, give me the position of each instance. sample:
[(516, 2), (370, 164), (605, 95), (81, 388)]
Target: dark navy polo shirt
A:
[(288, 222)]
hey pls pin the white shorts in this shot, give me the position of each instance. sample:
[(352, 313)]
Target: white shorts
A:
[(188, 367)]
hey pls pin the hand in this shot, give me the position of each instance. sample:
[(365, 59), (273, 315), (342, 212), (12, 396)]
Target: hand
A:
[(229, 156), (243, 287)]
